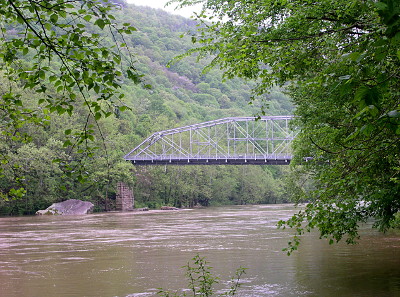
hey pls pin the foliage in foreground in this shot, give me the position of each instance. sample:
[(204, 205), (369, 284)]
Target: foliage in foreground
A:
[(202, 281), (53, 60), (340, 62)]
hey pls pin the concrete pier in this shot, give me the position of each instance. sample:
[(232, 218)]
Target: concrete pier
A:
[(124, 199)]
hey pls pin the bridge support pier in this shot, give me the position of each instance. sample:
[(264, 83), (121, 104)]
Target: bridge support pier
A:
[(124, 200)]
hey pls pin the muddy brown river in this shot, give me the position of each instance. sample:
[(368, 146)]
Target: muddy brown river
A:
[(133, 254)]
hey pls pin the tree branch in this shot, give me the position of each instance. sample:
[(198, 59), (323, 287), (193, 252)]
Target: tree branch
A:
[(327, 32)]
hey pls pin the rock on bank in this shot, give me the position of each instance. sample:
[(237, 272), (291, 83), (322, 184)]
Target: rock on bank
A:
[(68, 207)]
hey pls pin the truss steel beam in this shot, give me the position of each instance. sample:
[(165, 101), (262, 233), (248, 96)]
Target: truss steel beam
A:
[(233, 140)]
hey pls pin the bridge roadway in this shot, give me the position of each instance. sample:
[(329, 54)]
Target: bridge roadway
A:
[(206, 160)]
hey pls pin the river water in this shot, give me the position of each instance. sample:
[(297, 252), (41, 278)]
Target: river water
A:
[(133, 254)]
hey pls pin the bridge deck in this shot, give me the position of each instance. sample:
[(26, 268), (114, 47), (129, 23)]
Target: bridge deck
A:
[(238, 160)]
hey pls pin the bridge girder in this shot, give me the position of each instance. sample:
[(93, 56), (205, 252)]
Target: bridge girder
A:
[(227, 141)]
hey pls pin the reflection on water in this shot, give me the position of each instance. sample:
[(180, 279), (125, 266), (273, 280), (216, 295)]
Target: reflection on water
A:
[(126, 254)]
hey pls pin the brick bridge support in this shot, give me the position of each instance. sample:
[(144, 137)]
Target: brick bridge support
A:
[(124, 199)]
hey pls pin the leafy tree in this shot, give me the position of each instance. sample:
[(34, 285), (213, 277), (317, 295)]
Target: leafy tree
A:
[(339, 61), (68, 62)]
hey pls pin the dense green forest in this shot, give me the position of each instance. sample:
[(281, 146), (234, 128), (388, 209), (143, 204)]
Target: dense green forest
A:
[(42, 165)]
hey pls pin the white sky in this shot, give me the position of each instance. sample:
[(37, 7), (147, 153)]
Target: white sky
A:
[(186, 12)]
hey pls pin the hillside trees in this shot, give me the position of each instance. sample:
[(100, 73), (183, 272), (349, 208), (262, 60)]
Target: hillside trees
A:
[(205, 185), (339, 61)]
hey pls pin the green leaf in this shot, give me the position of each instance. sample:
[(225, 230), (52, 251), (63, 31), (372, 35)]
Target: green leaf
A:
[(367, 129), (67, 143), (54, 18), (60, 110), (380, 5), (100, 23), (42, 74), (87, 17), (365, 96)]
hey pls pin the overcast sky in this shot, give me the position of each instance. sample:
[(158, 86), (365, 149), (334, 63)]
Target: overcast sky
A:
[(186, 12)]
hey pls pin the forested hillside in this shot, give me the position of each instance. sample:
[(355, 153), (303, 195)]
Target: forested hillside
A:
[(40, 157)]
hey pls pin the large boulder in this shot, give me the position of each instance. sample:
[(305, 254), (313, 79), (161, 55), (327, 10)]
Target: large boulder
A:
[(68, 207)]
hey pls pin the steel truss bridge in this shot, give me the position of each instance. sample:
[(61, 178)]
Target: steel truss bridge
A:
[(234, 140)]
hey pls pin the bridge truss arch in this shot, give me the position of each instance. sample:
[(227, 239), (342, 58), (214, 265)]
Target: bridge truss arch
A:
[(234, 140)]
